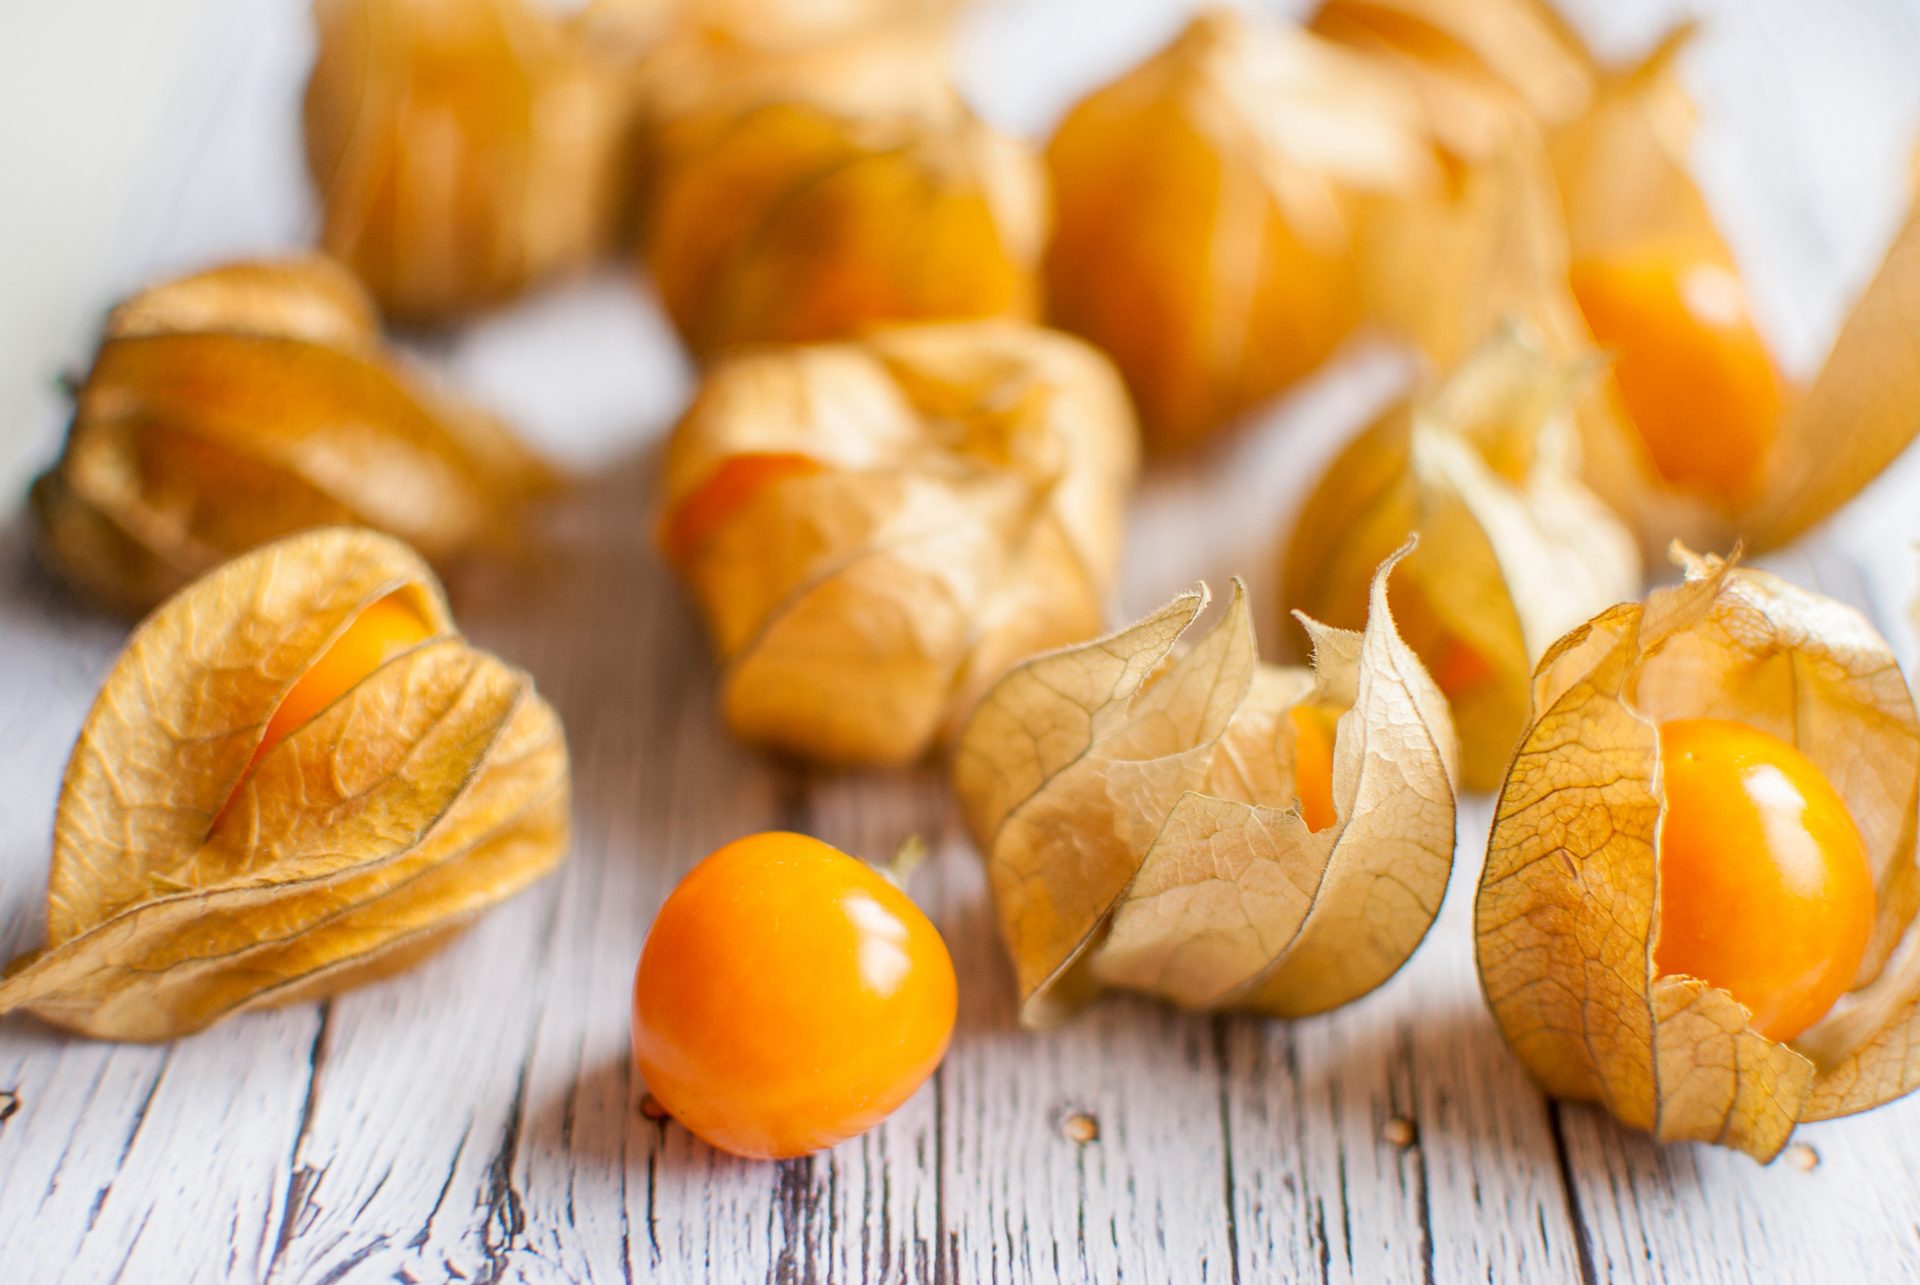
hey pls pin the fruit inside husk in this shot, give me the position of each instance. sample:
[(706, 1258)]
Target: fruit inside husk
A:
[(1765, 890)]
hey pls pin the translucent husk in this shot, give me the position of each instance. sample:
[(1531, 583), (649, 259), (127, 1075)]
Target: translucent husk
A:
[(1207, 210), (464, 150), (1567, 911), (238, 405), (875, 531), (185, 886), (1481, 68), (1554, 161), (811, 192), (1514, 550), (1622, 169), (1136, 804), (709, 55)]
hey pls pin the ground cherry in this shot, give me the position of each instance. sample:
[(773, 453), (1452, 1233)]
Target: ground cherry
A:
[(379, 633), (1313, 730), (727, 490), (1695, 374), (788, 997), (1765, 890)]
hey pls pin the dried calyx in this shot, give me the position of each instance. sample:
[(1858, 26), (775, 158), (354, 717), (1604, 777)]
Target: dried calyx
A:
[(464, 150), (297, 778), (1236, 270), (1191, 823), (800, 216), (1709, 440), (1570, 203), (1514, 550), (241, 404), (1587, 921), (875, 531)]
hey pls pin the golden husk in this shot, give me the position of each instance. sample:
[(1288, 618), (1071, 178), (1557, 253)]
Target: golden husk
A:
[(1553, 160), (722, 56), (1208, 211), (464, 150), (433, 789), (1136, 805), (808, 216), (950, 501), (1513, 549), (1622, 171), (1567, 911), (238, 405)]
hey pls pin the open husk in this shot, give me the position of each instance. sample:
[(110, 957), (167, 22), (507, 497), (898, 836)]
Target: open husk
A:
[(875, 531), (241, 404), (1206, 215), (430, 791), (1622, 170), (1137, 807), (812, 197), (1566, 918), (464, 150), (1514, 550)]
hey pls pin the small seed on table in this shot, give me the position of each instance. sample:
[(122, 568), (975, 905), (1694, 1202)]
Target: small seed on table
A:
[(1399, 1132), (1081, 1127), (650, 1107), (1803, 1157)]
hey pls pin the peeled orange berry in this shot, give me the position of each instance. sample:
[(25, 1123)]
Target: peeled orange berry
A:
[(1765, 890), (788, 997)]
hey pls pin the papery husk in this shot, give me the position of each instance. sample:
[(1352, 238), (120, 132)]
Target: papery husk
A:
[(1442, 267), (1622, 169), (1497, 81), (1205, 212), (857, 57), (954, 504), (1481, 68), (816, 198), (244, 403), (1567, 917), (1514, 550), (1137, 808), (464, 150), (433, 789)]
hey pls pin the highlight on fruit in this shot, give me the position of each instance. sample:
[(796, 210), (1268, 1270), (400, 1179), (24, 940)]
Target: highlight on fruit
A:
[(788, 997), (1702, 864)]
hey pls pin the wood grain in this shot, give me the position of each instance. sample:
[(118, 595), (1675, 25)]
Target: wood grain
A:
[(476, 1119)]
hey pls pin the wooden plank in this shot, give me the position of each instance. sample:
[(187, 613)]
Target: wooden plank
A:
[(1396, 1139)]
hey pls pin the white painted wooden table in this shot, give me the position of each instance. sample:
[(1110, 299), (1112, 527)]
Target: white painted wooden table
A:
[(476, 1119)]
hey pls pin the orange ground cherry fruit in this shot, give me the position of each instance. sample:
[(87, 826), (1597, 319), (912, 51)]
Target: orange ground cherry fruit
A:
[(1696, 376), (730, 487), (384, 630), (1765, 890), (788, 998), (1313, 731)]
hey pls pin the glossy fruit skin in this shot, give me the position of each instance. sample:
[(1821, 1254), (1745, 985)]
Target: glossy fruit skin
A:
[(788, 997), (1695, 374), (1765, 889), (384, 630), (1313, 736)]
